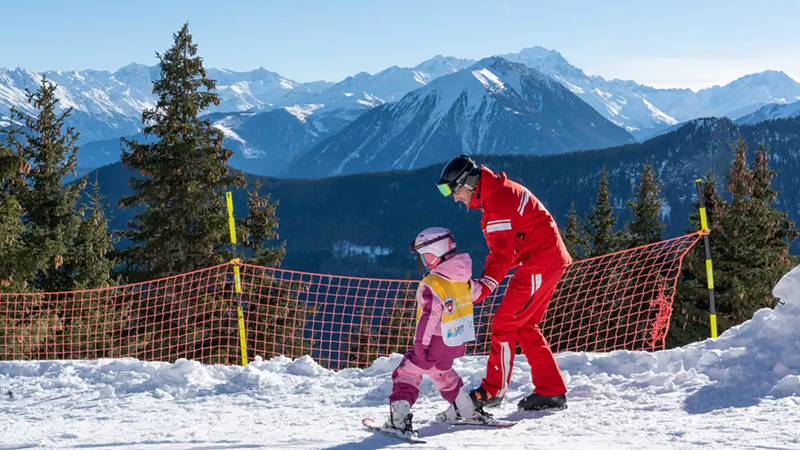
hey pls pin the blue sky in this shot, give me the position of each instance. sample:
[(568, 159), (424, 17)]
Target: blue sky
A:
[(691, 44)]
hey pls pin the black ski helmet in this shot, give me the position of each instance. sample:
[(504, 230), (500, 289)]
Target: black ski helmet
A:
[(460, 171)]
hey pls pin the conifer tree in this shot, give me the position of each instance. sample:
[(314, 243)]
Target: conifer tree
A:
[(48, 206), (690, 311), (260, 227), (750, 240), (601, 221), (12, 168), (758, 239), (574, 238), (779, 227), (90, 263), (184, 173), (182, 180), (44, 235), (646, 226)]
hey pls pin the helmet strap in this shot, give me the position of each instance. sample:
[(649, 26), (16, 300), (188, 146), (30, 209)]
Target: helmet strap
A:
[(472, 181), (421, 266)]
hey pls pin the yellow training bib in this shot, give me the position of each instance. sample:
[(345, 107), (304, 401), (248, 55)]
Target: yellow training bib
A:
[(457, 316)]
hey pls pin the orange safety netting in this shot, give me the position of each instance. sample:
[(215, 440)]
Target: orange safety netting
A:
[(617, 301)]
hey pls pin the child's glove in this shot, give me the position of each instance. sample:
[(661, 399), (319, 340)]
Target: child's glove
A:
[(481, 289)]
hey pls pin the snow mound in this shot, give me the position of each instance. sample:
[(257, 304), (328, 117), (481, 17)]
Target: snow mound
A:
[(788, 288), (757, 359)]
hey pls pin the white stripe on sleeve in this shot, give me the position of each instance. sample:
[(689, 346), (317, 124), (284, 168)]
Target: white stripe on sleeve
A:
[(523, 201), (498, 227)]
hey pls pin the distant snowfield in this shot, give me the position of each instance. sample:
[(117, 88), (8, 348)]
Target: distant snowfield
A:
[(740, 391)]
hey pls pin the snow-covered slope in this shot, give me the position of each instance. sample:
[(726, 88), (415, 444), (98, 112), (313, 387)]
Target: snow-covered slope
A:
[(98, 111), (265, 143), (109, 104), (492, 107), (128, 91), (741, 390), (770, 112)]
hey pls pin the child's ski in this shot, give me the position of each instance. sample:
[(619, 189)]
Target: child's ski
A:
[(494, 423), (410, 437)]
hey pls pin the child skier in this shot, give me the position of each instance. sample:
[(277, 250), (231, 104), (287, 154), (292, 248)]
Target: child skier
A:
[(444, 325)]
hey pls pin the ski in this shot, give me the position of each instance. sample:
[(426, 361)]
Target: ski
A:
[(489, 422), (493, 424), (372, 426)]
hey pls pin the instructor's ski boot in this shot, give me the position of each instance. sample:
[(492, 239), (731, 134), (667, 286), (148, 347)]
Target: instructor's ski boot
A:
[(483, 399), (538, 402), (464, 410), (399, 421)]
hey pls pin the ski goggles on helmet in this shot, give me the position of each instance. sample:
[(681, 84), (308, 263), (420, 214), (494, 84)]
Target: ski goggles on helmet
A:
[(429, 259), (447, 189), (417, 245), (444, 188)]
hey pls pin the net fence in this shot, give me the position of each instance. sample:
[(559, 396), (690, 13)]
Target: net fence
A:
[(617, 301)]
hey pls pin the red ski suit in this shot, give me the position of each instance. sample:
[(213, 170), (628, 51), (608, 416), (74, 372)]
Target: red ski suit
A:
[(520, 233)]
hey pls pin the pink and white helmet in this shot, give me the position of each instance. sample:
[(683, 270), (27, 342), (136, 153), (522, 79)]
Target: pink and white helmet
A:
[(433, 245)]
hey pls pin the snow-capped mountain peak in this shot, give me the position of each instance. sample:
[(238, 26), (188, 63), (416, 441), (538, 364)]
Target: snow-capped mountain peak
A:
[(644, 110), (547, 61), (108, 104), (766, 78), (442, 65), (362, 91), (493, 106), (488, 77), (749, 93), (137, 75), (772, 111)]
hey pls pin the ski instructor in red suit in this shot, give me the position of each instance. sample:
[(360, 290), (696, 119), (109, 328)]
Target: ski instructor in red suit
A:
[(520, 234)]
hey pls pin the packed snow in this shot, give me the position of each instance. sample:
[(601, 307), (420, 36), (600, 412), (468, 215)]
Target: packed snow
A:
[(741, 390)]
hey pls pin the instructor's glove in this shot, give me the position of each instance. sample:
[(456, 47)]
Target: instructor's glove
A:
[(481, 289)]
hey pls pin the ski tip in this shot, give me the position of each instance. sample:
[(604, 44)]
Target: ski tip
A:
[(367, 421)]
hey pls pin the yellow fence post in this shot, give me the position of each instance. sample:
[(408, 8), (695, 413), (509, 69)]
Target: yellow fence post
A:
[(709, 268), (237, 279)]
